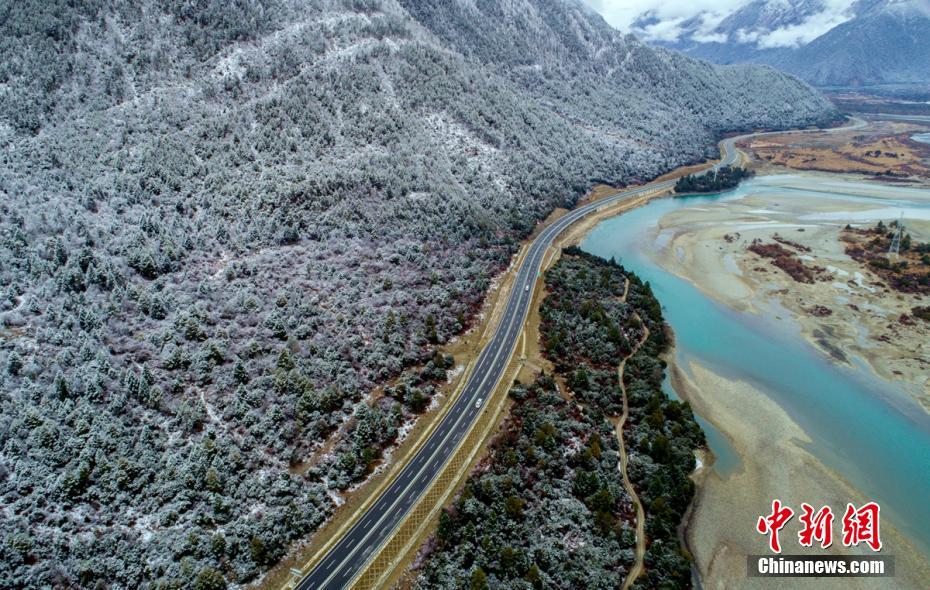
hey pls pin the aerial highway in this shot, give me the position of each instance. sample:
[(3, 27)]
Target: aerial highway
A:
[(349, 555)]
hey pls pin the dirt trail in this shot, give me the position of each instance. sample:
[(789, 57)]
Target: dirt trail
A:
[(637, 568)]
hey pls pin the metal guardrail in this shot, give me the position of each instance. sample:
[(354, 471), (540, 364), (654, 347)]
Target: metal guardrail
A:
[(383, 565), (378, 570)]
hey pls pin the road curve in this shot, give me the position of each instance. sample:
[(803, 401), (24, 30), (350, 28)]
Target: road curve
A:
[(351, 553)]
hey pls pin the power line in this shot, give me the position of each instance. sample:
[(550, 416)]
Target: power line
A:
[(895, 248)]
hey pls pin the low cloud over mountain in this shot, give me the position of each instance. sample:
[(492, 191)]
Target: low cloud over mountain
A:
[(826, 42)]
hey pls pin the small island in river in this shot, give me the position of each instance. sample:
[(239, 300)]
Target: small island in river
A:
[(818, 258), (722, 179)]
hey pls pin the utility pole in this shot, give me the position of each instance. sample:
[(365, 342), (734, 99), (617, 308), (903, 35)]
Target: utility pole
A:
[(895, 248)]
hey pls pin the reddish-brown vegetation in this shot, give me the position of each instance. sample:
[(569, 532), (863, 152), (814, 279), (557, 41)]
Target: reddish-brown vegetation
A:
[(786, 260), (820, 311), (787, 242), (882, 151), (922, 312), (907, 272)]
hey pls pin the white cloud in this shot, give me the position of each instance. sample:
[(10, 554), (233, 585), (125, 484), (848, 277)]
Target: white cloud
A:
[(623, 13), (710, 37), (744, 36), (664, 30), (807, 31), (671, 14)]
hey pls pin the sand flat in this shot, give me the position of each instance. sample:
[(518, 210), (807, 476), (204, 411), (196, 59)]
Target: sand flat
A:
[(708, 247), (774, 464)]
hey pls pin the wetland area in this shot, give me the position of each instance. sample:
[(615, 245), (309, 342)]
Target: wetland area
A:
[(799, 403)]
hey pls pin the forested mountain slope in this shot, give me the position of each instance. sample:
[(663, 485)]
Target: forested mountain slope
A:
[(224, 224), (652, 102)]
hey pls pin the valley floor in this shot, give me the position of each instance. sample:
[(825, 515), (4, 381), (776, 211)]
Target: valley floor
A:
[(848, 311), (883, 149), (775, 461)]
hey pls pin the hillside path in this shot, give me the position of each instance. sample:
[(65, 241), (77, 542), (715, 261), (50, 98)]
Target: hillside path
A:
[(637, 568)]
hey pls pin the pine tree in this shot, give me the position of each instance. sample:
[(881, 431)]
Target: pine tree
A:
[(61, 387), (284, 360), (209, 579), (479, 580), (257, 550), (533, 577), (240, 374), (446, 528), (431, 334), (14, 364)]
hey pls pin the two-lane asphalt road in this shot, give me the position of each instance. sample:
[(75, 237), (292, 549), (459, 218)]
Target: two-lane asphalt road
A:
[(349, 556)]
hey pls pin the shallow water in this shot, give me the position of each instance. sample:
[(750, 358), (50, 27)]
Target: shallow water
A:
[(865, 428), (726, 459), (921, 137)]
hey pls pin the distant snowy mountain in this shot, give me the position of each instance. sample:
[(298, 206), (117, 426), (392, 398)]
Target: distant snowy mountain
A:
[(887, 42), (825, 42), (760, 28)]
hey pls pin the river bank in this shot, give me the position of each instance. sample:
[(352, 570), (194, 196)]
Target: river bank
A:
[(774, 463), (848, 312), (788, 422)]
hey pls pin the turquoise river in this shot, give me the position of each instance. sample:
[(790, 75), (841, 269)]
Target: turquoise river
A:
[(863, 427)]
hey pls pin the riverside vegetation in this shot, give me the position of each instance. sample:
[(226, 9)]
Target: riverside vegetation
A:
[(724, 178), (907, 272), (224, 225), (547, 508)]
